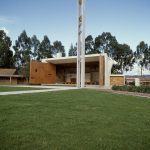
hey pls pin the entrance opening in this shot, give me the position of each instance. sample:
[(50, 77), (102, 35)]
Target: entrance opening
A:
[(66, 73)]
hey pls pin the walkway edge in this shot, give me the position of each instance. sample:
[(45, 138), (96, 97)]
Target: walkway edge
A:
[(144, 95), (35, 91)]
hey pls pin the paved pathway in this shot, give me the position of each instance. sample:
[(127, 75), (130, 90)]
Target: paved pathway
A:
[(145, 95), (63, 88), (46, 89)]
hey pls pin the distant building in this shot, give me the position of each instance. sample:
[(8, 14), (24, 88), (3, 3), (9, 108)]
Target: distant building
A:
[(9, 76)]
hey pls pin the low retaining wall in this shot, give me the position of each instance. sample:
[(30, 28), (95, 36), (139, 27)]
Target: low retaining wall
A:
[(117, 80)]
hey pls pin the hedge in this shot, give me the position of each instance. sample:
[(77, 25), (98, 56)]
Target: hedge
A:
[(140, 89)]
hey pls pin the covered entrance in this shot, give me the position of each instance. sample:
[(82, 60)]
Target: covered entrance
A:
[(66, 73)]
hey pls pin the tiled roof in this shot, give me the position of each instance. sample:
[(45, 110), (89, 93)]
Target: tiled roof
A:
[(7, 72)]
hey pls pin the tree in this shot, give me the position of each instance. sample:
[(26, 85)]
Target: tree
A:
[(105, 43), (123, 55), (23, 53), (6, 55), (45, 49), (58, 48), (142, 55), (35, 45), (148, 58), (90, 45), (72, 50)]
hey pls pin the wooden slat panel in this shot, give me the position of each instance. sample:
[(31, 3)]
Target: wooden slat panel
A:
[(101, 70)]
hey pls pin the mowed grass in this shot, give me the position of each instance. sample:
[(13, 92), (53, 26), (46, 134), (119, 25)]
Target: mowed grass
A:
[(11, 88), (74, 120)]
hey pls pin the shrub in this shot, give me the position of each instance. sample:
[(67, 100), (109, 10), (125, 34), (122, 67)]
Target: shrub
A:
[(140, 89)]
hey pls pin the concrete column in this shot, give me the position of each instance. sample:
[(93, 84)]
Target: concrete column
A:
[(137, 82), (107, 71), (81, 45)]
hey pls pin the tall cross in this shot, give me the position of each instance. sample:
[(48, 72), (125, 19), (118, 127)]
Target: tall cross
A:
[(81, 45)]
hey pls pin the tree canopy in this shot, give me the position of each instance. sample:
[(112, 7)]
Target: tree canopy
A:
[(35, 46), (73, 50), (23, 53), (6, 54), (142, 55), (124, 57), (58, 48), (31, 48), (105, 43), (45, 49), (90, 45)]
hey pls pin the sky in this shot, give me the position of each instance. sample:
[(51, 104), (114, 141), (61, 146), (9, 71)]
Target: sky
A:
[(127, 20)]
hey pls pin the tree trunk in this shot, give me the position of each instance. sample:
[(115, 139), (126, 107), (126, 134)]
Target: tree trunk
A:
[(141, 71)]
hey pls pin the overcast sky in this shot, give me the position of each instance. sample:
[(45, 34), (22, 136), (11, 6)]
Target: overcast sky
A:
[(128, 20)]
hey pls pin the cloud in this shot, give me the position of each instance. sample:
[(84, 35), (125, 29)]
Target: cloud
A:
[(5, 30), (6, 20)]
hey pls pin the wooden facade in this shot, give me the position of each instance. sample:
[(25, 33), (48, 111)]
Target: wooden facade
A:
[(101, 70), (42, 73)]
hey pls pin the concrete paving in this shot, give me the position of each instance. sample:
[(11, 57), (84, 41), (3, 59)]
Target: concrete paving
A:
[(45, 89), (144, 95)]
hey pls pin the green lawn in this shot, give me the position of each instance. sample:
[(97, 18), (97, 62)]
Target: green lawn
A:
[(9, 88), (74, 120)]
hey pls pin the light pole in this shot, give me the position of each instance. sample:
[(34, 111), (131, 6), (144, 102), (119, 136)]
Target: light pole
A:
[(81, 45)]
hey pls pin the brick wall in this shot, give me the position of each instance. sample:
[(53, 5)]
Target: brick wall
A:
[(117, 80), (42, 73)]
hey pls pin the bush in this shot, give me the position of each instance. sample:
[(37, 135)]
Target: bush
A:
[(140, 89)]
